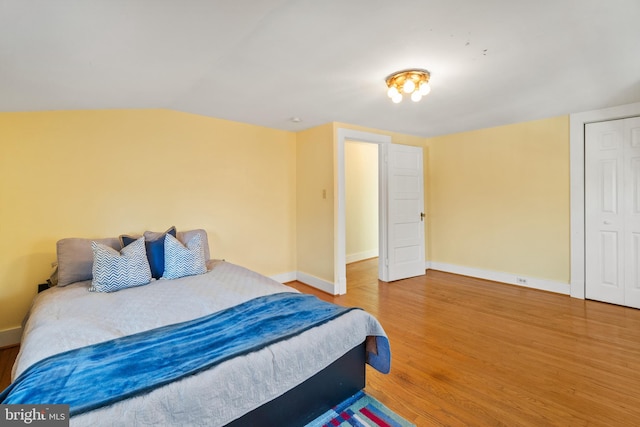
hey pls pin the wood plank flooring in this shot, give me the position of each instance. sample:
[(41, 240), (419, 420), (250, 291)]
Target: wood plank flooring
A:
[(7, 357), (469, 352)]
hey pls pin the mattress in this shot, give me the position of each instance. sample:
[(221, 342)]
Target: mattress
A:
[(71, 317)]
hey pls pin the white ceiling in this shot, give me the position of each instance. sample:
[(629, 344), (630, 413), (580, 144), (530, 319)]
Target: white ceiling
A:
[(493, 62)]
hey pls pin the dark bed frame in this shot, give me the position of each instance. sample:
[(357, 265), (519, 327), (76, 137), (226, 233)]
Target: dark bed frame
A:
[(307, 401)]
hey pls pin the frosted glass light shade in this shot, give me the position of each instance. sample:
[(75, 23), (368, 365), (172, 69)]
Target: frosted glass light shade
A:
[(424, 89), (408, 86)]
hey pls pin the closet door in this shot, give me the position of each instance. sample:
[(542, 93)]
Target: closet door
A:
[(632, 213), (612, 211)]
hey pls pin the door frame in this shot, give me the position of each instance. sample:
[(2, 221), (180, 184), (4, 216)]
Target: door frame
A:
[(340, 245), (577, 124)]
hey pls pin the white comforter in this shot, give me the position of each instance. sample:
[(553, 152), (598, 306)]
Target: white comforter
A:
[(71, 317)]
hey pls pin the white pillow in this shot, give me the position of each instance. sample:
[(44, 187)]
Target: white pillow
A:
[(113, 270), (181, 261)]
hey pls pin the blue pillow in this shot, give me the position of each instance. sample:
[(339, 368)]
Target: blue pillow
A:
[(155, 250)]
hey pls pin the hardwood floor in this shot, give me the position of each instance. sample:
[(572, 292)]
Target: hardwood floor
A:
[(7, 357), (469, 352)]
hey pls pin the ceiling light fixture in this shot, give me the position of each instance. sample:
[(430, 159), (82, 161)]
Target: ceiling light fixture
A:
[(414, 81)]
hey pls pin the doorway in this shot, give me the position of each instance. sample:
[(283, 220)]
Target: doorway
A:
[(339, 262), (362, 212), (401, 209)]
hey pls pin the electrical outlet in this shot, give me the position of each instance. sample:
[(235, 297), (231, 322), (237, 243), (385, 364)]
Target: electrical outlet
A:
[(521, 280)]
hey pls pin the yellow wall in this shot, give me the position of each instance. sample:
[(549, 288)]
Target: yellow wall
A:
[(361, 200), (104, 173), (496, 199), (315, 225), (499, 199)]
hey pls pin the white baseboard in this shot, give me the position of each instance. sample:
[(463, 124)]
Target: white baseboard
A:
[(307, 279), (361, 255), (498, 276), (316, 282), (495, 276), (10, 337), (284, 277)]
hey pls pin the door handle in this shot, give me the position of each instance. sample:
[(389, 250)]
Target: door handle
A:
[(421, 216), (607, 222)]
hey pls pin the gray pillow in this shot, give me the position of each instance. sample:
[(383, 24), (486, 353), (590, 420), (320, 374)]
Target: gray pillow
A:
[(185, 236), (75, 258)]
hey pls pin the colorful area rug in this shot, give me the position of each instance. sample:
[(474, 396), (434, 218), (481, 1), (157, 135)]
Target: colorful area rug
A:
[(360, 410)]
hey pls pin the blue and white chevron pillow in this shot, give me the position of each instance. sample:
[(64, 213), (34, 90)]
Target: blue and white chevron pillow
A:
[(181, 261), (113, 270)]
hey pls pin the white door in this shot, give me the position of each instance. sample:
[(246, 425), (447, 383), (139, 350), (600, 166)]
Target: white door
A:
[(612, 211), (405, 254)]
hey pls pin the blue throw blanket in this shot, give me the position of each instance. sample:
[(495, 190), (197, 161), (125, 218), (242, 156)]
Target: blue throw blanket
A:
[(101, 374)]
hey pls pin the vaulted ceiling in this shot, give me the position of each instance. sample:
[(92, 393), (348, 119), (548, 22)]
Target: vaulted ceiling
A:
[(493, 62)]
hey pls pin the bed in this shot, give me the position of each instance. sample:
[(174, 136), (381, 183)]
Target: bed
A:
[(270, 381)]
